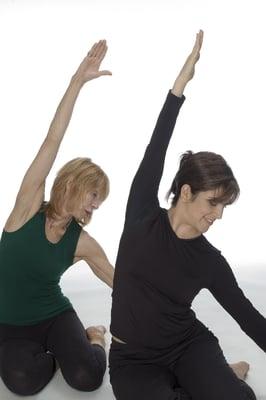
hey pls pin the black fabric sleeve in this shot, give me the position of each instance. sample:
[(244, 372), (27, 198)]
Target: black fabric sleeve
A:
[(143, 193), (227, 292)]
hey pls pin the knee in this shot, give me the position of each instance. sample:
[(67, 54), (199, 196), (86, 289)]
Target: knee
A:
[(249, 394), (84, 380), (19, 382)]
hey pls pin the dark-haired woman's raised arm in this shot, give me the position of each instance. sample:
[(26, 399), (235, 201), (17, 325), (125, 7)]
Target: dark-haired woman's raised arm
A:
[(143, 194)]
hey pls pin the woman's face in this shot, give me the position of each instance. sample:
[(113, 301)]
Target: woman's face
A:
[(203, 210), (83, 209), (90, 203)]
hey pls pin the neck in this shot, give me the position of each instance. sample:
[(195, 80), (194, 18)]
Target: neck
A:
[(60, 221), (180, 224)]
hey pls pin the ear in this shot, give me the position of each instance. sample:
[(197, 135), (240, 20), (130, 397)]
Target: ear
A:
[(185, 193)]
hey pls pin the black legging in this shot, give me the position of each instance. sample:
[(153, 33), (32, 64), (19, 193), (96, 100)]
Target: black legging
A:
[(197, 371), (28, 353)]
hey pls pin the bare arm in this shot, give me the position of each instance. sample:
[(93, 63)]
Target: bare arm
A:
[(89, 250), (31, 191), (188, 69)]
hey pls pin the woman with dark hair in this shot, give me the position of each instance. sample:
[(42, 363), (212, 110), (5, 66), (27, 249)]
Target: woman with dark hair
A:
[(205, 171), (40, 241), (160, 350)]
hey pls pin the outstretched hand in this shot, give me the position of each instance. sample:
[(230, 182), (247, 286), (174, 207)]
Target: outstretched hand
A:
[(188, 69), (89, 68)]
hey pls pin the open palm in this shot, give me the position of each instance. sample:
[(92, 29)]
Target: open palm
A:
[(90, 67), (188, 70)]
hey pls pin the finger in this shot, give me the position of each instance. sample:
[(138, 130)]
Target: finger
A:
[(196, 45), (195, 54), (98, 50), (105, 72), (102, 54), (91, 52), (200, 38), (101, 50)]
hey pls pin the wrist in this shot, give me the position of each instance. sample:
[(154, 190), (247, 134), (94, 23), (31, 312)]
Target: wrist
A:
[(179, 86), (178, 90), (77, 81)]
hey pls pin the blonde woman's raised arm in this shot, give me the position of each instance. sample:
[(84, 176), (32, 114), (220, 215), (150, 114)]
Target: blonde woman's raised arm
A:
[(31, 192)]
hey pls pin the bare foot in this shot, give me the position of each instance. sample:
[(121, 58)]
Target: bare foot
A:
[(240, 369), (96, 335)]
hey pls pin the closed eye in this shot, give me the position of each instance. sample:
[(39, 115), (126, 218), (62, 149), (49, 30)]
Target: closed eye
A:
[(212, 202)]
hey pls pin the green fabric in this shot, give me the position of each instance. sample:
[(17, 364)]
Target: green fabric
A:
[(30, 271)]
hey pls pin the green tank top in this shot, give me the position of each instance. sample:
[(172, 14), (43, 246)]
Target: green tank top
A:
[(30, 270)]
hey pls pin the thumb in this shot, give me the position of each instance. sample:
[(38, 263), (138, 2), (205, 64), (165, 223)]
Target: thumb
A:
[(104, 72)]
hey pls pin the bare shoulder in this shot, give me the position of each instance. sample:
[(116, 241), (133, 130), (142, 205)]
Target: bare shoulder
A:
[(23, 211)]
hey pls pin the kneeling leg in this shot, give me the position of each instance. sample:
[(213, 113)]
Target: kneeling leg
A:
[(82, 364), (25, 367)]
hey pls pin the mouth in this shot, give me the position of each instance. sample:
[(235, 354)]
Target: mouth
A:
[(210, 221)]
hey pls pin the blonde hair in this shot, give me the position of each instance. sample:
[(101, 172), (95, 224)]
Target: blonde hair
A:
[(82, 176)]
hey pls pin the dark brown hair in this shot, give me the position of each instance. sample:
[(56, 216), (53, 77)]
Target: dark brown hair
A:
[(204, 171)]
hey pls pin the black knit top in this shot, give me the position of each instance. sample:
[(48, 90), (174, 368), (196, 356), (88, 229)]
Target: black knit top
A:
[(157, 274)]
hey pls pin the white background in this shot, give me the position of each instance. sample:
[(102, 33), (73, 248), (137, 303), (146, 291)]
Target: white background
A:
[(41, 44)]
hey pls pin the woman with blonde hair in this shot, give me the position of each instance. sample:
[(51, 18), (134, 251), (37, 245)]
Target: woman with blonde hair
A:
[(40, 240)]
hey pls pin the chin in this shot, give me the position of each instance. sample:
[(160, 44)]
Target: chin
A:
[(204, 230), (81, 219), (86, 219)]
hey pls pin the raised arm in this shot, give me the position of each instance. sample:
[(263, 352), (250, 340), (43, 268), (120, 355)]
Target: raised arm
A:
[(31, 192), (188, 69), (143, 193)]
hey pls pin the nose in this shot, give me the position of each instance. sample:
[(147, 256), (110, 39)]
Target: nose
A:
[(219, 211), (95, 205)]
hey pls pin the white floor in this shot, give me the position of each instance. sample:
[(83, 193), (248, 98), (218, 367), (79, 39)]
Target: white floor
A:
[(92, 301)]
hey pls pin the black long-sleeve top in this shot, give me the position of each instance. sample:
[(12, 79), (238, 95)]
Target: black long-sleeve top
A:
[(157, 274)]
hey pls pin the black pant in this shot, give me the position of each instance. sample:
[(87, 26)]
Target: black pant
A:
[(28, 353), (197, 371)]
